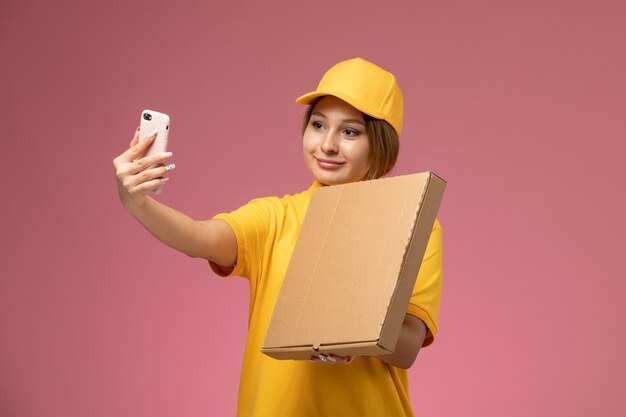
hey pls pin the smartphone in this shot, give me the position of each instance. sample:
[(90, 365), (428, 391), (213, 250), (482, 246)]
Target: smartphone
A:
[(152, 120)]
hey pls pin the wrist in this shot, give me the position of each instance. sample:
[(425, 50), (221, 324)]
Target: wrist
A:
[(135, 208)]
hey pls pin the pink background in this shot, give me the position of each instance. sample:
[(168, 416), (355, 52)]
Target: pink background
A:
[(520, 105)]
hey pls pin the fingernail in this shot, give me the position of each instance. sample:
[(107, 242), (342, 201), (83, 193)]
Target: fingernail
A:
[(170, 167), (153, 133), (166, 154)]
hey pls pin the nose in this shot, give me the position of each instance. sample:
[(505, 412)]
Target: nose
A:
[(329, 143)]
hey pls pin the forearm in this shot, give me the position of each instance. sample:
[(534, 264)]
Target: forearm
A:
[(173, 228), (409, 342), (136, 175)]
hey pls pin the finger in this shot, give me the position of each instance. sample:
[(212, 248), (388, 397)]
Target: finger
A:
[(150, 174), (339, 359), (147, 162), (135, 138), (129, 179), (321, 358), (331, 359), (150, 185), (138, 150)]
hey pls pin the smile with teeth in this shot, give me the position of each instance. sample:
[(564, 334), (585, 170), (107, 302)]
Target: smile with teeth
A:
[(328, 163)]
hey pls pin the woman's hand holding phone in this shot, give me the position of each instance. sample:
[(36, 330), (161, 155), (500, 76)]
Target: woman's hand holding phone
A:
[(137, 174)]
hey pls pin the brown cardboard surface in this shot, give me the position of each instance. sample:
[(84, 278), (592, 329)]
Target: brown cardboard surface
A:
[(354, 266)]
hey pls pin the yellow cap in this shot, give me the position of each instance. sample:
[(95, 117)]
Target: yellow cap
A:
[(365, 86)]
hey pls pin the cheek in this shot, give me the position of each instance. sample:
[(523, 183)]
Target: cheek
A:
[(360, 153), (308, 141)]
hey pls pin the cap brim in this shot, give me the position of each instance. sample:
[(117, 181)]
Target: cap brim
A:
[(309, 97)]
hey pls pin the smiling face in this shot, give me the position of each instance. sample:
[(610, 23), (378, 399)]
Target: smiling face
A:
[(335, 143)]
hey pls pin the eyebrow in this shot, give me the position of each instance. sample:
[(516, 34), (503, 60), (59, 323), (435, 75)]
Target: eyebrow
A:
[(319, 113)]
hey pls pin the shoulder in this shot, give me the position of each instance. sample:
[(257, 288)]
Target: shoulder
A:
[(288, 201), (275, 203), (274, 206)]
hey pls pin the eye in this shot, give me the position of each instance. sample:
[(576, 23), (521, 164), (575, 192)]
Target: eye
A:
[(351, 132), (317, 125)]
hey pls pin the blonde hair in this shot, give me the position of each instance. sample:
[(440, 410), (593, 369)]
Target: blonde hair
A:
[(383, 139)]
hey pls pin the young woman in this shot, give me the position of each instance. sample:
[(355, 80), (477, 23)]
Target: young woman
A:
[(350, 133)]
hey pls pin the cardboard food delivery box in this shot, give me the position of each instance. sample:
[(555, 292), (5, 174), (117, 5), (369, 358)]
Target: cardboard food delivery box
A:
[(353, 268)]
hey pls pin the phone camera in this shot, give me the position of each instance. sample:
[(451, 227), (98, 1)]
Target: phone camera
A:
[(147, 116)]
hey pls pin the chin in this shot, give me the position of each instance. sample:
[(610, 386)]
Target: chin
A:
[(333, 178), (328, 180)]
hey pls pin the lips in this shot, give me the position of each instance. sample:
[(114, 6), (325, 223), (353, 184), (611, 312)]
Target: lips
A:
[(329, 163)]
